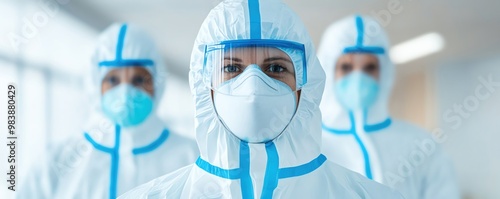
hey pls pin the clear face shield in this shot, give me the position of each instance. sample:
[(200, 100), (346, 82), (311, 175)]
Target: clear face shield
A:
[(232, 61), (255, 84)]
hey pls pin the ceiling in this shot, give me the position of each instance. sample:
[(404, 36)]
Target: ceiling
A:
[(470, 28)]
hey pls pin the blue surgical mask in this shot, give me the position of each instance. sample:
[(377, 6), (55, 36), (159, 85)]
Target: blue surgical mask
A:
[(126, 105), (356, 91)]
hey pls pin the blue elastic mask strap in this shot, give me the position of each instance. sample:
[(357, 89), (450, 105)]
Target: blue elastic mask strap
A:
[(272, 168), (245, 181), (302, 169), (255, 24), (361, 31), (155, 144), (115, 158)]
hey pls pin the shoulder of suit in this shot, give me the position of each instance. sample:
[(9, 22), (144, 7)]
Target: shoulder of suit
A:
[(163, 185)]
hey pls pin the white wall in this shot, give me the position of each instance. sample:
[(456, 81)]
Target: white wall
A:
[(473, 134)]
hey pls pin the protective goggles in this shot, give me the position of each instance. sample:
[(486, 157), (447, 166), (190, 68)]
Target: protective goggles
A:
[(273, 61)]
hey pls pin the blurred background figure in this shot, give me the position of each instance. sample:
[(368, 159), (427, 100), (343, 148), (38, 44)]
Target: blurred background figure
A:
[(358, 132), (445, 54), (126, 144)]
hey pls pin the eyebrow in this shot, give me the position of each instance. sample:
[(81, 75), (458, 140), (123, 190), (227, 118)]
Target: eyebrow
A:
[(233, 59), (277, 58)]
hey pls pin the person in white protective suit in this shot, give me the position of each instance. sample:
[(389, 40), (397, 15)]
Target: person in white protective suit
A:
[(358, 132), (126, 144), (257, 86)]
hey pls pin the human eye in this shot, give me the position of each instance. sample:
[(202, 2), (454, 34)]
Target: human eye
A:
[(346, 67), (231, 68), (113, 80), (276, 68), (370, 68), (138, 80)]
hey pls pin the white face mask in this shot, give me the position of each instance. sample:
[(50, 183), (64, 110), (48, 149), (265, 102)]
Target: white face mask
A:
[(259, 107)]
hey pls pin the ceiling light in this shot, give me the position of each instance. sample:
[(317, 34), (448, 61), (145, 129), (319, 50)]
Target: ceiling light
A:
[(416, 48)]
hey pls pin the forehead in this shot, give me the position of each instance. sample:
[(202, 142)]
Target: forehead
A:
[(253, 52), (130, 70), (362, 57)]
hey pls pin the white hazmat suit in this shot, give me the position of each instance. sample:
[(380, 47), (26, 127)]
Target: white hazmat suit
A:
[(290, 164), (109, 159), (369, 141)]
